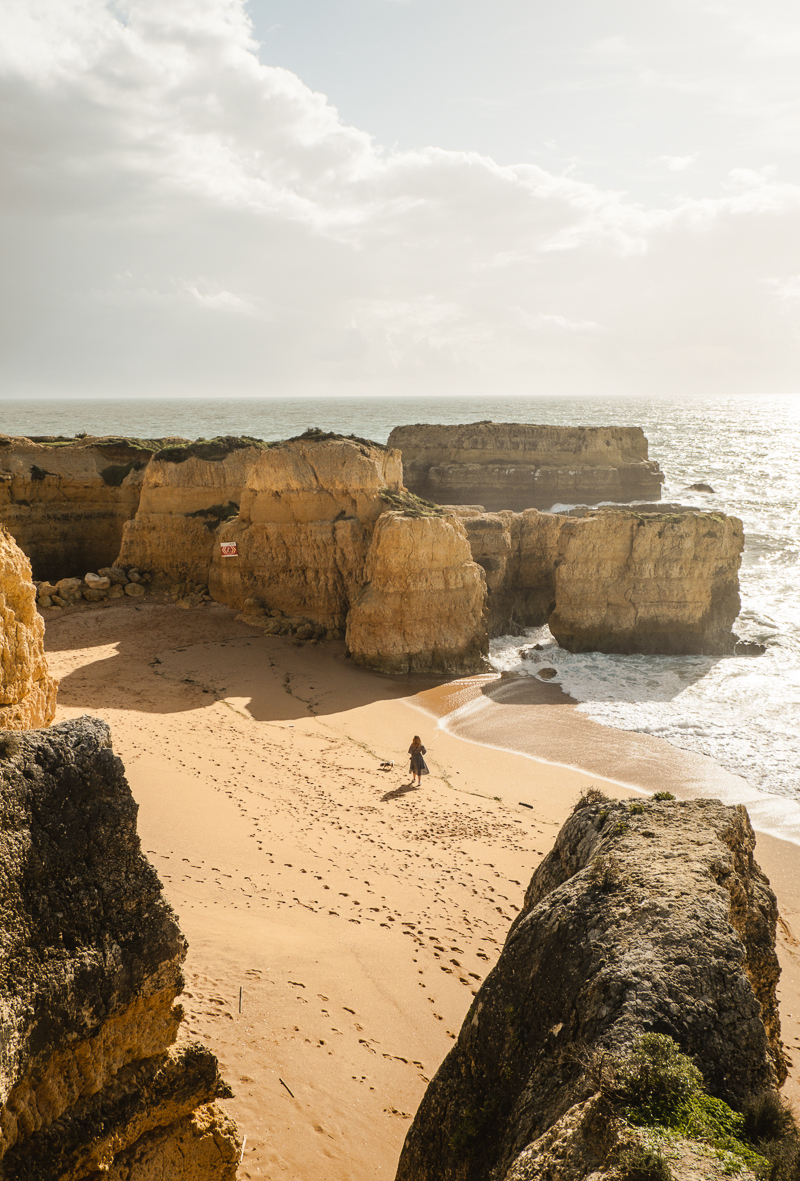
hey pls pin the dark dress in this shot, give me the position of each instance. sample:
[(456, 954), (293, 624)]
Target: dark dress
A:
[(418, 764)]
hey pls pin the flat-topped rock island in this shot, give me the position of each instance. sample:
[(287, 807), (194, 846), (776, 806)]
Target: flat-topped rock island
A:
[(512, 465)]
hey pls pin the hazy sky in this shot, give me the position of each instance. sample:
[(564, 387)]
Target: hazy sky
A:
[(388, 196)]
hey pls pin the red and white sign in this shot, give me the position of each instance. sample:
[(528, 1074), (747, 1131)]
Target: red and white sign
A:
[(228, 549)]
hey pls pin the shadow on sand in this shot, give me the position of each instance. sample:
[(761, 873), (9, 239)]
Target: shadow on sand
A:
[(155, 657)]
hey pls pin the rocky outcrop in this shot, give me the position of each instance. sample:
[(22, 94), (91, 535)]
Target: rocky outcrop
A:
[(518, 553), (297, 522), (612, 579), (91, 1083), (517, 466), (304, 528), (646, 582), (645, 916), (27, 691), (422, 608), (187, 491), (66, 502)]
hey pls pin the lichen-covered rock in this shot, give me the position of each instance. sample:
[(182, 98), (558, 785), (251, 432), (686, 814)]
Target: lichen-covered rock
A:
[(27, 691), (518, 466), (304, 527), (646, 582), (90, 968), (645, 916), (187, 491), (422, 608), (66, 504)]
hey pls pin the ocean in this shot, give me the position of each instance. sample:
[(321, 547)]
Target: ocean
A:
[(742, 712)]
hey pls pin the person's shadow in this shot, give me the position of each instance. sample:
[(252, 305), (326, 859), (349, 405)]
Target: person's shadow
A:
[(397, 793)]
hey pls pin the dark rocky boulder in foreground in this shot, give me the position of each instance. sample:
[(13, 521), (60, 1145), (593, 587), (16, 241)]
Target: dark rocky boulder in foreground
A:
[(91, 1083), (646, 917)]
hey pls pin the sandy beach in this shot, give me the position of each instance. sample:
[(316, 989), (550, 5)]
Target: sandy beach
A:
[(339, 921)]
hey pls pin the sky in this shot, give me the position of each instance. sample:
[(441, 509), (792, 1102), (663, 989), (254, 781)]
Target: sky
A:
[(346, 197)]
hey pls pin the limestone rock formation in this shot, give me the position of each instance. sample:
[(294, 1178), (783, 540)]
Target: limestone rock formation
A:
[(518, 552), (644, 917), (187, 491), (65, 503), (421, 609), (612, 579), (646, 582), (517, 466), (27, 691), (91, 1083), (304, 527)]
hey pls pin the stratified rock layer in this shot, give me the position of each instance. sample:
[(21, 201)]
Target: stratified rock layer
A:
[(66, 504), (304, 527), (27, 691), (630, 582), (651, 920), (517, 466), (187, 491), (518, 552), (91, 957), (612, 580), (422, 609)]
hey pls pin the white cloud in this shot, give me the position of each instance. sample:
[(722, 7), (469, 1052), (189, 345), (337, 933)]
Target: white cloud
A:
[(678, 163), (184, 218)]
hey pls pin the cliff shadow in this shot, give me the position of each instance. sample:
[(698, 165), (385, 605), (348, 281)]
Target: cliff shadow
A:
[(154, 657)]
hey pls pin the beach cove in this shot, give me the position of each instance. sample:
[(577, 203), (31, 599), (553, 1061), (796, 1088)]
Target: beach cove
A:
[(339, 923)]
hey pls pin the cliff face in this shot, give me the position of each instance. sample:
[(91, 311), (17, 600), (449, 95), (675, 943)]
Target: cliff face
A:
[(612, 580), (302, 516), (186, 492), (645, 916), (629, 582), (517, 466), (304, 527), (90, 1082), (518, 553), (27, 691), (65, 505), (421, 609)]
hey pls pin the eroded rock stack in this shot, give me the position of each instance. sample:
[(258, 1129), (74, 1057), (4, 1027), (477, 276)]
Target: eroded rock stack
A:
[(91, 1082), (27, 691), (287, 533), (327, 539), (422, 608), (648, 582), (613, 580), (517, 466), (645, 916)]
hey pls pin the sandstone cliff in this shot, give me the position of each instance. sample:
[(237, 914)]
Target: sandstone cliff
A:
[(187, 490), (304, 527), (65, 503), (422, 608), (630, 582), (518, 552), (612, 579), (27, 691), (645, 916), (90, 1082), (517, 466)]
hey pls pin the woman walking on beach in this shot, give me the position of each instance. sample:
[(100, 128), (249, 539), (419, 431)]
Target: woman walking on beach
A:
[(418, 764)]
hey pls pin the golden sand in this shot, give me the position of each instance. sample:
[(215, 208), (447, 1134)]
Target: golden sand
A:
[(340, 921)]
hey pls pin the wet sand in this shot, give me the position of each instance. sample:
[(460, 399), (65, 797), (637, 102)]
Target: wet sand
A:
[(356, 915)]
